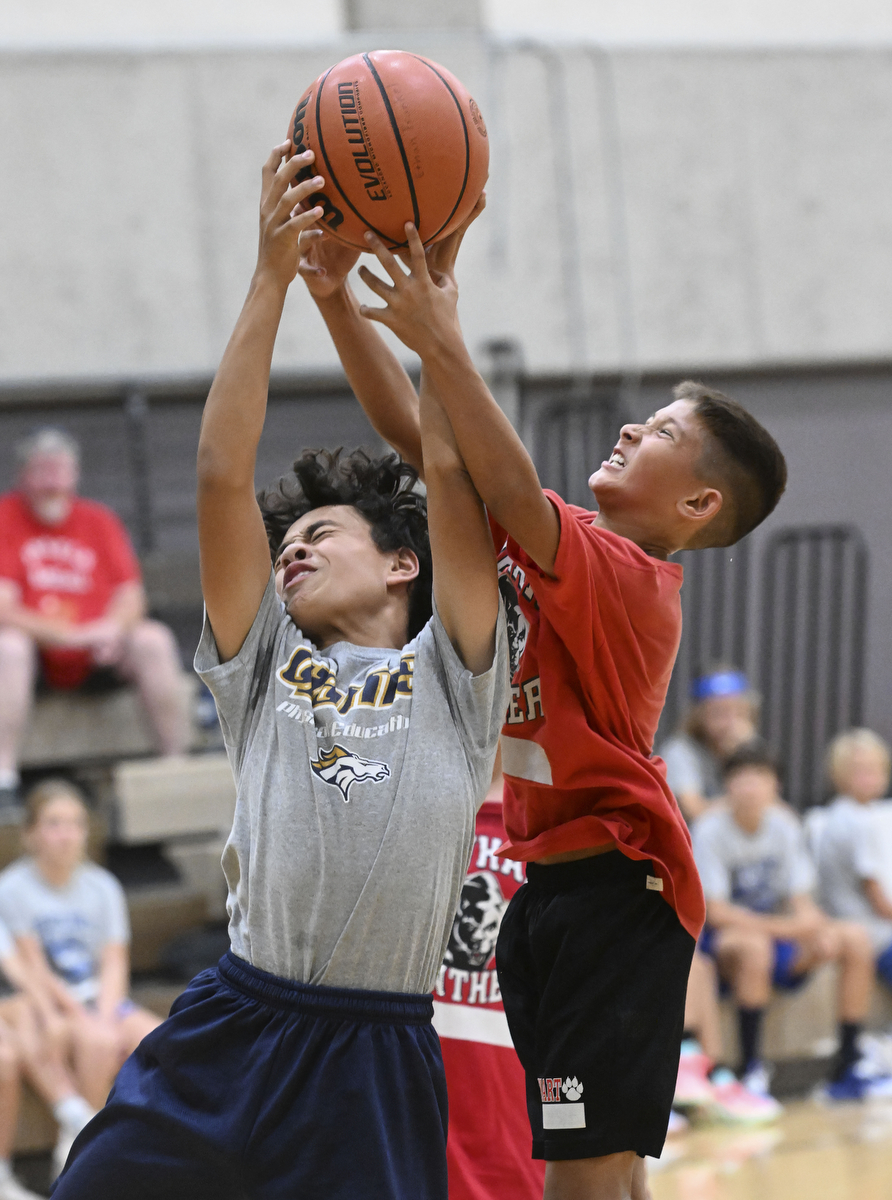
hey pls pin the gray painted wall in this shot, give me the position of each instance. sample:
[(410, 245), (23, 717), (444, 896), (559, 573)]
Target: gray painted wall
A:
[(656, 209)]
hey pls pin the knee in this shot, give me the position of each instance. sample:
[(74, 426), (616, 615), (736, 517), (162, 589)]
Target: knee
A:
[(9, 1060), (855, 941), (152, 643)]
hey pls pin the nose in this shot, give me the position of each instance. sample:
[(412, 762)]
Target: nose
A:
[(630, 433)]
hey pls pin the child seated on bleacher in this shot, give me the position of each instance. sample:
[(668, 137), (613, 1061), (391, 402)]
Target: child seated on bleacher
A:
[(34, 1045), (69, 919), (854, 867), (763, 927)]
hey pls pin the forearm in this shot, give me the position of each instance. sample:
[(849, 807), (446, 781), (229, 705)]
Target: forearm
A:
[(236, 405), (377, 377), (493, 453), (113, 981), (877, 898), (127, 606), (44, 630), (723, 915)]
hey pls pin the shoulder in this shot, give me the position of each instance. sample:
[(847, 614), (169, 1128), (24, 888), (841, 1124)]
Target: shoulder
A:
[(18, 879), (713, 827), (91, 875), (580, 524), (9, 502), (97, 514)]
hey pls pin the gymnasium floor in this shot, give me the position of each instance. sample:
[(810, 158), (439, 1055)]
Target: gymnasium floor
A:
[(812, 1153)]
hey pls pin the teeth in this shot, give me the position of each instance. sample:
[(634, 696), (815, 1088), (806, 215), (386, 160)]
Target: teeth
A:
[(617, 460)]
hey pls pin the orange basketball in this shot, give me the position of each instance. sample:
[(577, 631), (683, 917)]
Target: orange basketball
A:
[(397, 138)]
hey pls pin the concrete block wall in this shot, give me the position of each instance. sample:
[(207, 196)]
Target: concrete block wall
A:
[(661, 208)]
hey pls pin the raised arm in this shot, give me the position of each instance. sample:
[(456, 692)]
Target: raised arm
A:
[(421, 313), (235, 561), (377, 377), (465, 577)]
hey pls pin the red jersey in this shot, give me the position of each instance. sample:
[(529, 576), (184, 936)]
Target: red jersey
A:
[(489, 1145), (592, 653), (68, 571)]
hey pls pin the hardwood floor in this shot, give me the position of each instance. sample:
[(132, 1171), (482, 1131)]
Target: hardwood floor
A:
[(812, 1153)]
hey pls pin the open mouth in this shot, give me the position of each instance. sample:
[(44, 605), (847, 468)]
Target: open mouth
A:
[(616, 459), (295, 571)]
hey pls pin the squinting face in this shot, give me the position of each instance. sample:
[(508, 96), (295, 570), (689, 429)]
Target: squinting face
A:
[(329, 572), (58, 837), (652, 466), (49, 484)]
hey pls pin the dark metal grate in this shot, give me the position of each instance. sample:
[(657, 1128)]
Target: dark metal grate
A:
[(572, 436), (812, 647)]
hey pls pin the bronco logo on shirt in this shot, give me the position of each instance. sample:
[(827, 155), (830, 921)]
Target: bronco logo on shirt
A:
[(342, 769)]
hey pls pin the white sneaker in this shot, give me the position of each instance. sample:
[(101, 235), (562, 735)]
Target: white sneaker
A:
[(758, 1079)]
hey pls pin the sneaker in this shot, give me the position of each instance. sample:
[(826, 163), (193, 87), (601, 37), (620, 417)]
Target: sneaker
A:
[(735, 1103), (692, 1088), (757, 1079), (858, 1082)]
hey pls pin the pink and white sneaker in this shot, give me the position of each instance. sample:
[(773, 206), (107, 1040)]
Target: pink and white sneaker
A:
[(693, 1088), (735, 1104)]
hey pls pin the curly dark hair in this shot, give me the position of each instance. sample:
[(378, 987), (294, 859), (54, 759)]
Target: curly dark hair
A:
[(382, 490)]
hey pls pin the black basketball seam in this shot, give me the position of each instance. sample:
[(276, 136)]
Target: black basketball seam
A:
[(399, 141), (383, 236), (464, 126)]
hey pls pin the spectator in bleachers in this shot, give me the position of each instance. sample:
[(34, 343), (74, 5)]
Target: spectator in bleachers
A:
[(34, 1042), (71, 599), (69, 919), (852, 876), (723, 714), (763, 926)]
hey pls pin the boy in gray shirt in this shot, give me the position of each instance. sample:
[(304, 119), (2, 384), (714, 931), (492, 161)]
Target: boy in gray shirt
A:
[(763, 927), (361, 729)]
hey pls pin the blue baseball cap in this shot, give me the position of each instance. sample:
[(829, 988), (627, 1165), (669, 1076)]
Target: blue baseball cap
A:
[(720, 683)]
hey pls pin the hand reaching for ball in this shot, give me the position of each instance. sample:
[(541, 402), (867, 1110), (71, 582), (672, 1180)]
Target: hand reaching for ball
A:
[(284, 215), (324, 263)]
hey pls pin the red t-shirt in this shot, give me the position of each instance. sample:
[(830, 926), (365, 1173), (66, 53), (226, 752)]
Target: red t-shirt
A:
[(592, 652), (489, 1145), (68, 571)]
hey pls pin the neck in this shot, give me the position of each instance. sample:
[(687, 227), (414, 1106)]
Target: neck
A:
[(862, 799), (749, 822), (385, 628), (642, 538), (55, 874)]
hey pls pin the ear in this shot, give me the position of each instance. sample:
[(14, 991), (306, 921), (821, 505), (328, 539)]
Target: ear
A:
[(403, 567), (702, 506)]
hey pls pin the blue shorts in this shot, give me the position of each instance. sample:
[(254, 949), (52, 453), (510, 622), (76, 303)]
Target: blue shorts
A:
[(884, 966), (783, 977), (257, 1087)]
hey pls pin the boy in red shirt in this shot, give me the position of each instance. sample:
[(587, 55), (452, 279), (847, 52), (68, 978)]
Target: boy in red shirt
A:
[(595, 949)]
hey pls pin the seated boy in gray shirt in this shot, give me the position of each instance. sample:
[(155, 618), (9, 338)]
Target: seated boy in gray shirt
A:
[(361, 728), (763, 927)]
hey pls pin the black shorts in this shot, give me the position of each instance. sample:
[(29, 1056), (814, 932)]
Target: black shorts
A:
[(593, 967)]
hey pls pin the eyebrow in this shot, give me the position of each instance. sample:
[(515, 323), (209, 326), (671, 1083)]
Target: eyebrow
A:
[(308, 533), (667, 421)]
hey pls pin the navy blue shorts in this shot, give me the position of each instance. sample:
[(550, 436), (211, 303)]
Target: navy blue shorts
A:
[(784, 977), (263, 1088)]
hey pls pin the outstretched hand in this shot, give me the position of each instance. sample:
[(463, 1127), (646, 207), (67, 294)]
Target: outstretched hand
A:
[(324, 262), (441, 255), (421, 304), (283, 217)]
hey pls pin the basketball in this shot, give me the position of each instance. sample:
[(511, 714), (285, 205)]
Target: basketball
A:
[(397, 138)]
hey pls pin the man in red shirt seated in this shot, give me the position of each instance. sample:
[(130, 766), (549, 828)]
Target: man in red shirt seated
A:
[(71, 598)]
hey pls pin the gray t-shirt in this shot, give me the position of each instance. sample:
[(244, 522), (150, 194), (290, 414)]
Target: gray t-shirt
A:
[(355, 769), (690, 767), (849, 851), (760, 871), (73, 923)]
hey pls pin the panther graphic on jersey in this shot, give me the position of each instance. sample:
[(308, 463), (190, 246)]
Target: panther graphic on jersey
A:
[(342, 769), (475, 929)]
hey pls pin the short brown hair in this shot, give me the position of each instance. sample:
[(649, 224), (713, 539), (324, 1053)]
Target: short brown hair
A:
[(45, 792), (740, 459)]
